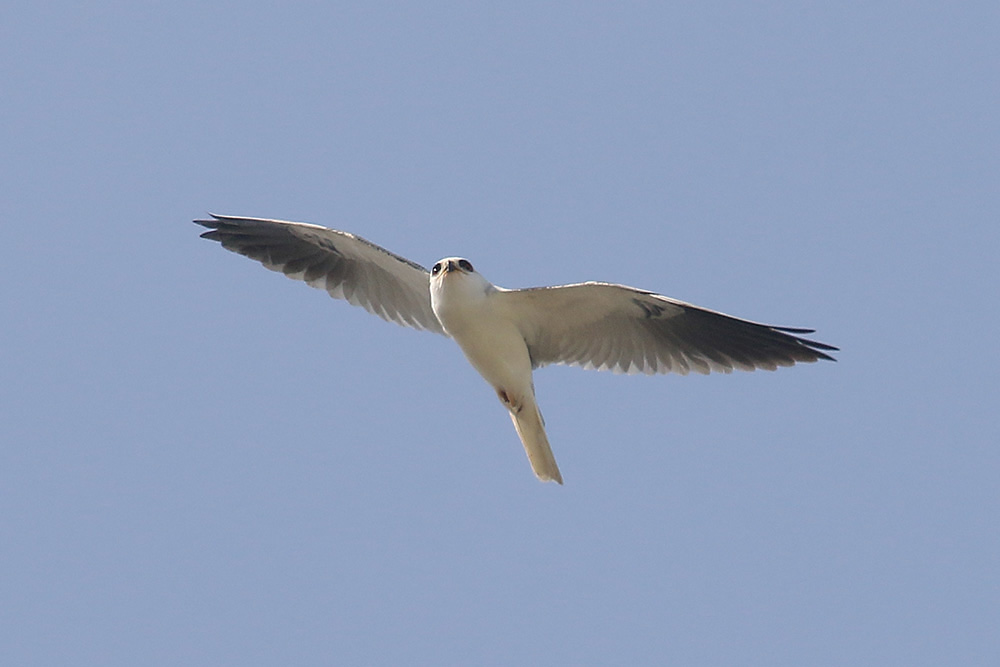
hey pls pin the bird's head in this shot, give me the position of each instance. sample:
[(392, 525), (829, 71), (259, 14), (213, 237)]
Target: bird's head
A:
[(453, 280), (450, 264)]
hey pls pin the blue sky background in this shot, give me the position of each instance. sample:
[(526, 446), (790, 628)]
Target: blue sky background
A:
[(203, 463)]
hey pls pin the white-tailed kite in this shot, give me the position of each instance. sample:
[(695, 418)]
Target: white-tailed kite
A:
[(504, 333)]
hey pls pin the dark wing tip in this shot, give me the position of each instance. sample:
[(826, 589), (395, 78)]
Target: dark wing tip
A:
[(214, 224), (816, 349), (752, 344), (225, 228), (813, 345), (816, 346), (793, 330), (209, 223)]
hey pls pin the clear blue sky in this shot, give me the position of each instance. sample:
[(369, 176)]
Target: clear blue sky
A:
[(204, 463)]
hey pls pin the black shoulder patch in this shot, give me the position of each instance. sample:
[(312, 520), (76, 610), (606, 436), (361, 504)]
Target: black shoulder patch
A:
[(649, 310)]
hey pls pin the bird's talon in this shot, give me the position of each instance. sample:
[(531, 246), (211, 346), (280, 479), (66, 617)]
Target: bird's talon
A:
[(508, 402)]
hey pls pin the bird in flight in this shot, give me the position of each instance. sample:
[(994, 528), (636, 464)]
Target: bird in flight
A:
[(507, 333)]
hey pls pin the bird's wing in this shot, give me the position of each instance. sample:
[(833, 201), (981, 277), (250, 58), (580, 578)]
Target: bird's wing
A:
[(620, 328), (345, 265)]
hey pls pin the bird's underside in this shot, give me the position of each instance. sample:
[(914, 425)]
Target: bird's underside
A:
[(505, 334)]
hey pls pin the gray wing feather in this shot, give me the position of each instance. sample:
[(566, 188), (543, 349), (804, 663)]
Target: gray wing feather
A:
[(348, 267), (620, 328)]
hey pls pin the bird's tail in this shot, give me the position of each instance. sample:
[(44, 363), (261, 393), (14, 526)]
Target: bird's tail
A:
[(531, 429)]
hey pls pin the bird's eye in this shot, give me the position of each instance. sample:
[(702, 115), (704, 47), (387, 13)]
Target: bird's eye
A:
[(465, 265), (436, 270)]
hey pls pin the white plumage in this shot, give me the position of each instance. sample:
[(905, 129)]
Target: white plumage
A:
[(505, 334)]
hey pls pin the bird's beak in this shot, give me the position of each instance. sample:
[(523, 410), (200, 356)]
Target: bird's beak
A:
[(450, 266)]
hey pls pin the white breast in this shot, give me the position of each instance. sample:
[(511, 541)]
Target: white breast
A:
[(471, 310)]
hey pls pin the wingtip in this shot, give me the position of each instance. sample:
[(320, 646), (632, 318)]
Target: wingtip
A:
[(820, 349), (211, 224)]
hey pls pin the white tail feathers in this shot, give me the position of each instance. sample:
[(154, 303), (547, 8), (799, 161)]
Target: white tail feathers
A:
[(531, 430)]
